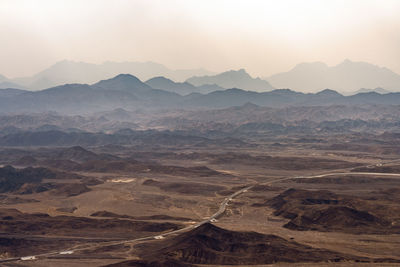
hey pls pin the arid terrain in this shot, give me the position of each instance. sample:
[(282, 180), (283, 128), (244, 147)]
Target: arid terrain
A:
[(260, 203), (199, 133)]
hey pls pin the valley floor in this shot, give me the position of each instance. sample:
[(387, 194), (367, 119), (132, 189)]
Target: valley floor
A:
[(303, 207)]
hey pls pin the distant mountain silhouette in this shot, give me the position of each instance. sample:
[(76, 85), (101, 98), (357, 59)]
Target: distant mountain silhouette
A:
[(60, 138), (127, 92), (80, 72), (7, 84), (3, 78), (328, 93), (225, 124), (285, 97), (233, 79), (237, 97), (141, 91), (208, 88), (184, 88), (124, 82), (376, 90), (347, 76), (169, 85), (10, 92), (122, 91)]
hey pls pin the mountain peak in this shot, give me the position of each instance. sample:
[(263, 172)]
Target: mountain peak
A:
[(242, 72), (125, 77), (233, 79), (159, 79), (378, 90), (328, 92), (348, 76), (123, 82)]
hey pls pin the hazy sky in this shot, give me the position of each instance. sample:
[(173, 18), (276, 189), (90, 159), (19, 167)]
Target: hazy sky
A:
[(264, 37)]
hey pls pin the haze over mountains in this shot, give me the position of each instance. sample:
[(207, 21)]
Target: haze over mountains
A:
[(128, 92), (184, 88), (80, 72), (233, 79), (199, 133), (347, 76), (7, 83)]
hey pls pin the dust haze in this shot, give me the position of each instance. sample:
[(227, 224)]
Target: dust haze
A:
[(199, 133), (264, 37)]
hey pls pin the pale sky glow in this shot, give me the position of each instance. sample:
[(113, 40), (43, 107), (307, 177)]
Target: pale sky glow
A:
[(264, 37)]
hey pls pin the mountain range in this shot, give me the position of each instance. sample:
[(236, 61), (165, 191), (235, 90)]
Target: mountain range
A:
[(80, 72), (184, 88), (128, 92), (232, 79), (347, 76), (378, 90), (204, 127)]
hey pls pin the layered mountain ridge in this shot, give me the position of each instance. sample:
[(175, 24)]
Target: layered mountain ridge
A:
[(348, 76), (128, 92)]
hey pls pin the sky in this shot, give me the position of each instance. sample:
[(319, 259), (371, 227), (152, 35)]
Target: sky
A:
[(264, 37)]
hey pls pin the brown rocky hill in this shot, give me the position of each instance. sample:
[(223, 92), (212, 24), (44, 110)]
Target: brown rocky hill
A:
[(209, 244), (326, 211)]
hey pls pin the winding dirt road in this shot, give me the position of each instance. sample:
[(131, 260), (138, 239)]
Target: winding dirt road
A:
[(212, 218)]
